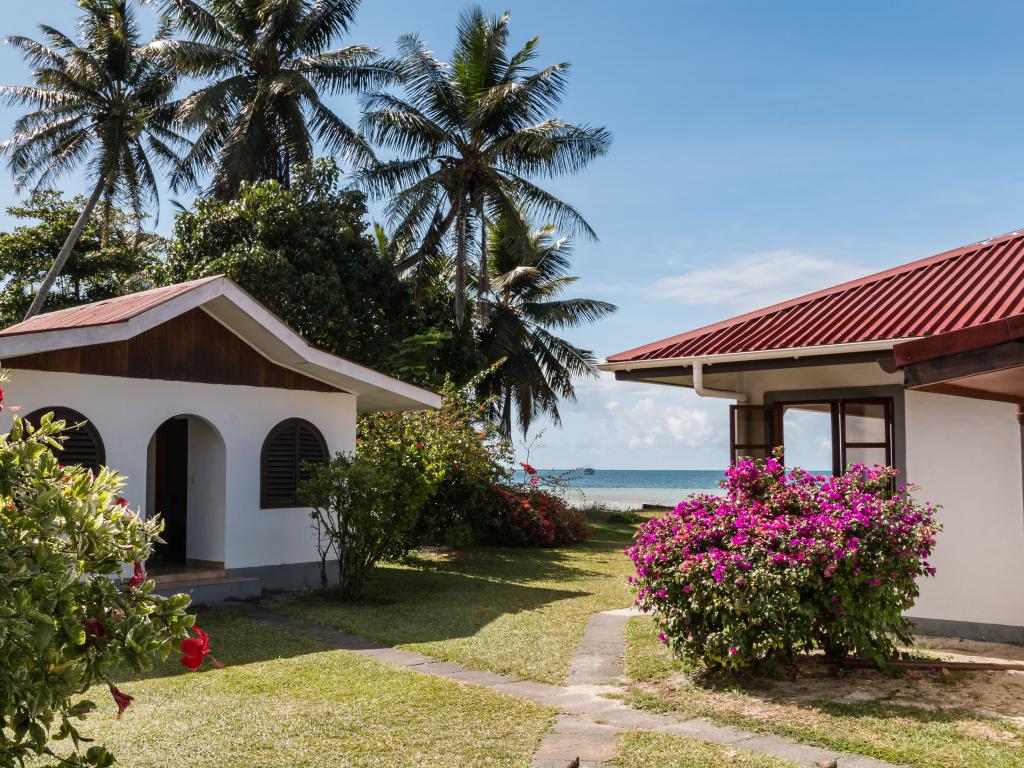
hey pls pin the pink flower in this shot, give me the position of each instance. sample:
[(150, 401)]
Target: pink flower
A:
[(734, 650), (138, 576), (95, 627), (122, 699)]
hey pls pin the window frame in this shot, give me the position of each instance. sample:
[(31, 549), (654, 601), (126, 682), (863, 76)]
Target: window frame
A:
[(292, 502)]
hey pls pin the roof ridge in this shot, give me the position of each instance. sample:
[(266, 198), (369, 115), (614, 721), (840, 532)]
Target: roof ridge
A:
[(810, 298)]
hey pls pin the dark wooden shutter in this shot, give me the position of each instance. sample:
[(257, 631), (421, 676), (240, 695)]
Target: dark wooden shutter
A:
[(290, 445), (82, 443)]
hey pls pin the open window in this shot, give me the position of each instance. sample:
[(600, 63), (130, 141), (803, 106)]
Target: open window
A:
[(822, 436)]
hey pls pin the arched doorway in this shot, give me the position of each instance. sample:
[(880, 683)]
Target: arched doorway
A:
[(186, 487)]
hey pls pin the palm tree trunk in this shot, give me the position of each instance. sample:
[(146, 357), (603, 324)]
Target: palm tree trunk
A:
[(65, 252), (484, 280), (460, 268)]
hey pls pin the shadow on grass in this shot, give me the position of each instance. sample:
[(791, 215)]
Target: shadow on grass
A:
[(405, 605)]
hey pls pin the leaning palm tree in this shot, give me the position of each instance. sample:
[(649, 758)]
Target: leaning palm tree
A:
[(94, 102), (535, 367), (269, 62), (474, 133)]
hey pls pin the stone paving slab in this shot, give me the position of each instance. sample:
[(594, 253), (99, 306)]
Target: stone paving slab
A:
[(788, 750), (594, 721), (599, 655)]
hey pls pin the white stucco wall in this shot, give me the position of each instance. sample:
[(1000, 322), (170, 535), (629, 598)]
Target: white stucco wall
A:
[(966, 455), (128, 411)]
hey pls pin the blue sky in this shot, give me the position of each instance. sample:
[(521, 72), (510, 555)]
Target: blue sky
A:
[(761, 150)]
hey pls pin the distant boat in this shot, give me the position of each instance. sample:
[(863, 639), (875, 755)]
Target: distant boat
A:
[(588, 470)]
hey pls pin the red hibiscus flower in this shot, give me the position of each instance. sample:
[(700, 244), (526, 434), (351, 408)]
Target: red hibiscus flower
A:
[(194, 650), (122, 699), (138, 576), (95, 627), (528, 468), (121, 501), (2, 400), (419, 446)]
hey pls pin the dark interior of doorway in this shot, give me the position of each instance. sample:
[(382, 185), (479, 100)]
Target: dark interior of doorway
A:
[(171, 491)]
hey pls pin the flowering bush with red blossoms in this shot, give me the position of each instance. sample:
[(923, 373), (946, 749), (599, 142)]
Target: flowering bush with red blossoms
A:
[(68, 618), (529, 516), (786, 562)]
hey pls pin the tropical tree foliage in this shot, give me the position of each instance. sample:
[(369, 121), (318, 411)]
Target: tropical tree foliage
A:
[(111, 258), (264, 65), (95, 102), (525, 314), (306, 253), (473, 134)]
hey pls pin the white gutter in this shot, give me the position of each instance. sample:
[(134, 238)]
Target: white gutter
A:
[(700, 389), (768, 354)]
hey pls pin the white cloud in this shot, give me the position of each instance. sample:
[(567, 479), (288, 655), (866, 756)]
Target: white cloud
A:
[(755, 280), (628, 425)]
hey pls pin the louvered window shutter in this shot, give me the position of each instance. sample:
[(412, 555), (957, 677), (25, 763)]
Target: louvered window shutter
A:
[(82, 443), (288, 446)]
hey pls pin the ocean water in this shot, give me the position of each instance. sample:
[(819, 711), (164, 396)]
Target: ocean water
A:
[(632, 488)]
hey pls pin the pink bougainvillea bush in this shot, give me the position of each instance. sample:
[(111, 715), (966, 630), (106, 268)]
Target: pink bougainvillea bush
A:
[(786, 562)]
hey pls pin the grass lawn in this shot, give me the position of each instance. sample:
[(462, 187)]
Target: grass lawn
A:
[(514, 611), (895, 732), (646, 749), (285, 701)]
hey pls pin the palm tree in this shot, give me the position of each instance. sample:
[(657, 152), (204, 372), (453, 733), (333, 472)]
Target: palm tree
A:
[(96, 102), (474, 133), (269, 61), (537, 367)]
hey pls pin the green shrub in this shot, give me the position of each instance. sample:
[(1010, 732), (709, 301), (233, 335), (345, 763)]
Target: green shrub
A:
[(459, 456), (66, 622)]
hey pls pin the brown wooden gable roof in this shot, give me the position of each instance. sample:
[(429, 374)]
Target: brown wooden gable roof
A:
[(190, 347)]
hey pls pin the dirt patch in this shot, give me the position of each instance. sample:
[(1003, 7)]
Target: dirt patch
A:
[(986, 693)]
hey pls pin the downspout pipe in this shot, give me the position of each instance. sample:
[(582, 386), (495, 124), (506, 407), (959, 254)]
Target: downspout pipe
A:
[(700, 389)]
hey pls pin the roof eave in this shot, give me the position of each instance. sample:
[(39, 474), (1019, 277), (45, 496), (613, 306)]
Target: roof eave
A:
[(879, 345)]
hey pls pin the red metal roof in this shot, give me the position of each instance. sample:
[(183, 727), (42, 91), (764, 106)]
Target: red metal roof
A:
[(965, 287), (118, 310)]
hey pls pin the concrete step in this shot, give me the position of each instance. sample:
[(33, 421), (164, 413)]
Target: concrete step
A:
[(182, 575), (213, 591)]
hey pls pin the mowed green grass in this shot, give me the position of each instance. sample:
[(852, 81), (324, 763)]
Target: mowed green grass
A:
[(914, 736), (520, 612), (283, 700), (647, 749)]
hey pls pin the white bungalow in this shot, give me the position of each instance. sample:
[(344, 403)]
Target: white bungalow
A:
[(207, 403), (921, 367)]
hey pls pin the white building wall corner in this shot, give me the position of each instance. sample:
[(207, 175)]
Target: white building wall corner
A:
[(965, 455)]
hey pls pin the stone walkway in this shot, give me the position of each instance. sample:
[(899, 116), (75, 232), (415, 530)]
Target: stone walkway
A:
[(590, 722)]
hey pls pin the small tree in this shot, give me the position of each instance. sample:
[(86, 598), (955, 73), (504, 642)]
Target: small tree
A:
[(66, 621), (363, 509)]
